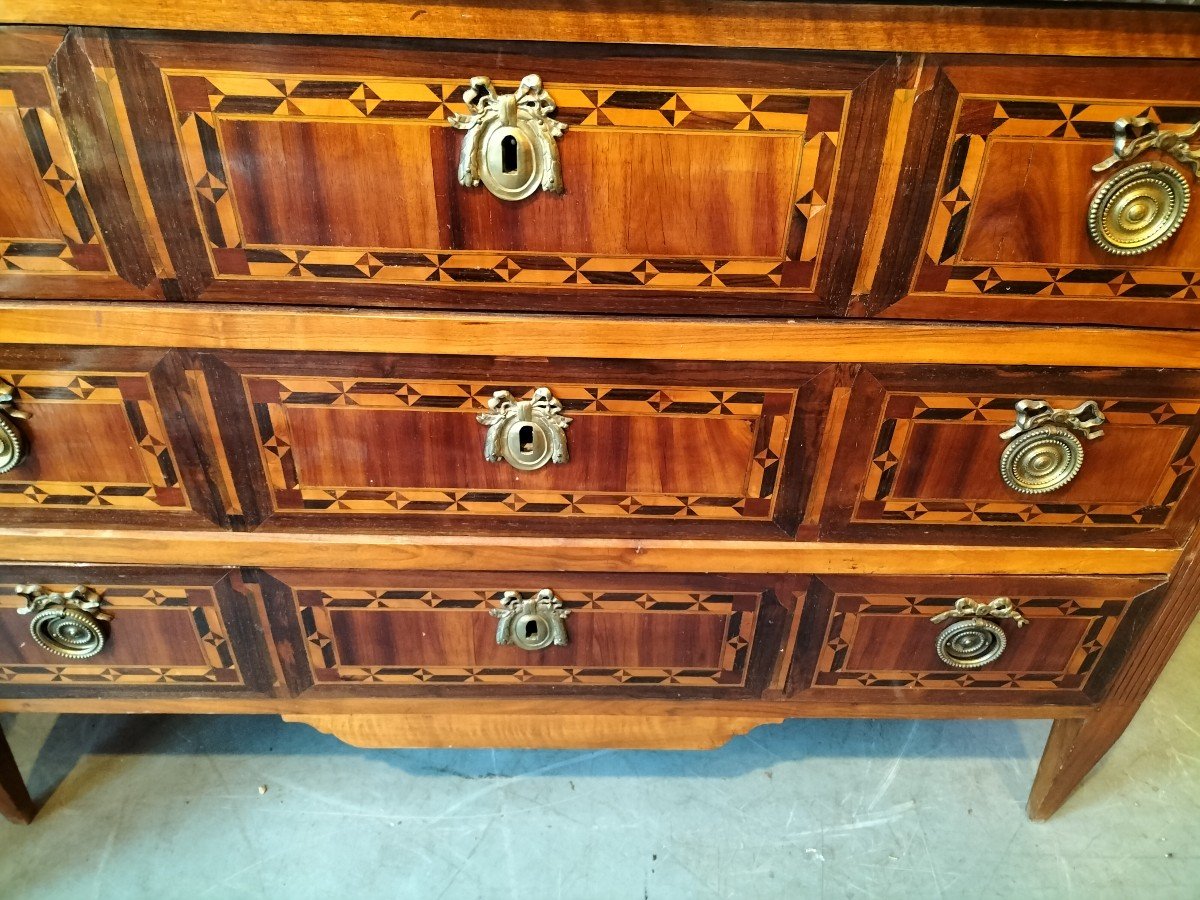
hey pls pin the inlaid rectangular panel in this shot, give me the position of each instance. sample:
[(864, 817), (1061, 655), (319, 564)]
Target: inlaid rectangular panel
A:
[(182, 630), (51, 240), (97, 445), (1007, 190), (921, 458), (874, 635), (324, 171), (337, 444), (378, 631)]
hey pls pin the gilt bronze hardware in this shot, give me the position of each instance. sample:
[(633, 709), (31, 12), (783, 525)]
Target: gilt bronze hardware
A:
[(976, 640), (1044, 453), (12, 443), (511, 139), (526, 434), (67, 624), (531, 623), (1138, 208)]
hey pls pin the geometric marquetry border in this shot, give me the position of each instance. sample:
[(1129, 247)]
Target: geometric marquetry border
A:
[(740, 612), (978, 120), (901, 411), (200, 100), (28, 91), (1103, 616), (162, 488), (211, 636), (270, 397)]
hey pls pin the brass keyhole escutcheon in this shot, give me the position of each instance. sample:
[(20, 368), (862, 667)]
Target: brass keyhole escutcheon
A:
[(526, 434), (531, 623)]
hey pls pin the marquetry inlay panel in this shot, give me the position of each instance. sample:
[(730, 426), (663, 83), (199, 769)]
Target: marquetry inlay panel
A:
[(158, 635), (109, 424), (1070, 634), (1170, 464), (466, 612), (37, 150), (982, 126), (760, 419), (205, 102)]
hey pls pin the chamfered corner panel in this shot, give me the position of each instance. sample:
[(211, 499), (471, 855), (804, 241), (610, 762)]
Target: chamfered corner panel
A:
[(67, 228), (323, 171), (352, 441), (372, 633), (921, 458), (106, 442), (873, 638), (1005, 187)]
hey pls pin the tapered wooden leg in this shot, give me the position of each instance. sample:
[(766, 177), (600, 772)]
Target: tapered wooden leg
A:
[(14, 797), (1072, 751)]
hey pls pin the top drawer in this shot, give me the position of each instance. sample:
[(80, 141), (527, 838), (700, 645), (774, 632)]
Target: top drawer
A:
[(321, 172), (1009, 196)]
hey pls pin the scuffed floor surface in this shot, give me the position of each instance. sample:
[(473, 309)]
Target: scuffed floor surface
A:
[(163, 807)]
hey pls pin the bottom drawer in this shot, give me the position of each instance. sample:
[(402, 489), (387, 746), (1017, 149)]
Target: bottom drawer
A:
[(79, 630), (1026, 639), (383, 633)]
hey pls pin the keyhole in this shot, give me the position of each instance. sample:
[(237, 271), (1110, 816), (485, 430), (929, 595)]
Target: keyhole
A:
[(508, 154), (531, 629), (525, 434)]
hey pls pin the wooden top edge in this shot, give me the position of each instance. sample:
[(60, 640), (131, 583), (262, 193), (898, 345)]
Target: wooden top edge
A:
[(929, 28), (231, 327)]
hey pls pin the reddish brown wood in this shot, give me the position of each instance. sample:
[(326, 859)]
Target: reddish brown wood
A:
[(15, 804), (365, 633), (636, 217), (866, 638), (999, 164), (919, 459)]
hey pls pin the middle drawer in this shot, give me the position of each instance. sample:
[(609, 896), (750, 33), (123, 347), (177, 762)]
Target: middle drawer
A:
[(364, 441)]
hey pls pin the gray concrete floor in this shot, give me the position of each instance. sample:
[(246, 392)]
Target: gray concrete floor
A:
[(163, 807)]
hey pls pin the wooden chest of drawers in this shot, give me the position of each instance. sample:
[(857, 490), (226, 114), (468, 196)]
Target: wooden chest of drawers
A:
[(448, 386)]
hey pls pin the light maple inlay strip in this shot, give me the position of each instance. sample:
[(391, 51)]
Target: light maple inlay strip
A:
[(248, 328), (514, 554)]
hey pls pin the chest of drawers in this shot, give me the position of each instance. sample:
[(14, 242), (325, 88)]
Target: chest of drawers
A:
[(698, 368)]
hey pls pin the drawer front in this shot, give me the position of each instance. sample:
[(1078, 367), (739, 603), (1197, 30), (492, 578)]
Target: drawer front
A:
[(394, 633), (102, 438), (923, 458), (875, 637), (61, 208), (177, 631), (1009, 186), (358, 441), (327, 172)]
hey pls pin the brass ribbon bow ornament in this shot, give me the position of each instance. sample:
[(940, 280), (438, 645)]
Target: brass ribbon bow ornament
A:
[(1033, 414), (1133, 137), (966, 608)]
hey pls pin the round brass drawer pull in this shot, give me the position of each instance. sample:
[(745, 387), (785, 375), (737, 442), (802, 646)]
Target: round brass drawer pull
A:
[(976, 639), (1044, 451), (12, 444), (531, 623), (526, 434), (1138, 209), (65, 624)]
